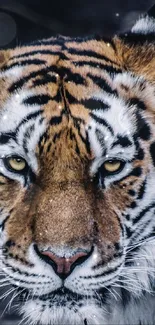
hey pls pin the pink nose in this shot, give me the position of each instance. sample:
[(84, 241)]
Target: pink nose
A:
[(63, 266)]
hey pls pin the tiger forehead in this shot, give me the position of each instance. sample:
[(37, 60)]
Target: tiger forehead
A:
[(63, 75), (78, 64)]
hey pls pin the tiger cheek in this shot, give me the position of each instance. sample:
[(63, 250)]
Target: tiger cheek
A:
[(107, 220), (19, 224), (9, 191)]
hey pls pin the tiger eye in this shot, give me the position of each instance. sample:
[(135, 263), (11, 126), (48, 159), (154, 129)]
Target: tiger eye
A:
[(112, 165), (17, 164)]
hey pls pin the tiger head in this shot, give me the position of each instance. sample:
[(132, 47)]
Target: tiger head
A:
[(77, 169)]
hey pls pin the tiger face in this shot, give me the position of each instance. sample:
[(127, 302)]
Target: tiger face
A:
[(77, 168)]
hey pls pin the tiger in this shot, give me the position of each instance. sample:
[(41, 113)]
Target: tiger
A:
[(77, 178)]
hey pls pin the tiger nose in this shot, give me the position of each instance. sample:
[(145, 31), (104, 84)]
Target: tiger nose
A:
[(62, 265)]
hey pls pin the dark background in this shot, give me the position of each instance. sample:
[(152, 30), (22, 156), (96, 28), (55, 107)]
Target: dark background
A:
[(22, 21)]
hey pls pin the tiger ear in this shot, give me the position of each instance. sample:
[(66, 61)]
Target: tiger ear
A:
[(136, 48), (135, 90)]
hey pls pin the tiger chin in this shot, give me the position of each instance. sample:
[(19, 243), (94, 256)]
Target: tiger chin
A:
[(77, 178)]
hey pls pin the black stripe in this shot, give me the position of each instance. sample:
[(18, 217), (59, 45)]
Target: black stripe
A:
[(152, 152), (108, 68), (129, 231), (44, 80), (75, 77), (58, 97), (56, 120), (2, 225), (26, 274), (56, 136), (21, 273), (18, 84), (27, 136), (90, 54), (34, 52), (93, 103), (43, 138), (26, 119), (139, 154), (70, 98), (143, 129), (122, 141), (101, 274), (63, 72), (87, 143), (137, 171), (32, 177), (102, 84), (24, 63), (141, 191), (84, 140), (42, 72), (103, 122), (143, 212), (73, 138), (137, 102), (37, 100), (139, 231), (5, 137)]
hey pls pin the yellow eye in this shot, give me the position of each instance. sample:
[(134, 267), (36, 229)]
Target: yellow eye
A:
[(112, 166), (16, 163)]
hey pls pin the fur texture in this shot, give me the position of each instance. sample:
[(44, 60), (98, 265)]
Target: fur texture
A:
[(68, 107)]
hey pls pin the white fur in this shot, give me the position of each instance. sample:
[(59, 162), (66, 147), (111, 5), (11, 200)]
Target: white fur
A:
[(144, 25)]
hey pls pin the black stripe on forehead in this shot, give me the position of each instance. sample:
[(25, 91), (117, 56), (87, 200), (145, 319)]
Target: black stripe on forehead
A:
[(32, 75), (44, 80), (101, 140), (90, 54), (23, 63), (102, 83), (108, 68), (93, 103), (5, 137), (36, 52), (122, 141), (27, 135), (75, 77), (37, 100), (46, 77), (20, 83), (102, 122)]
